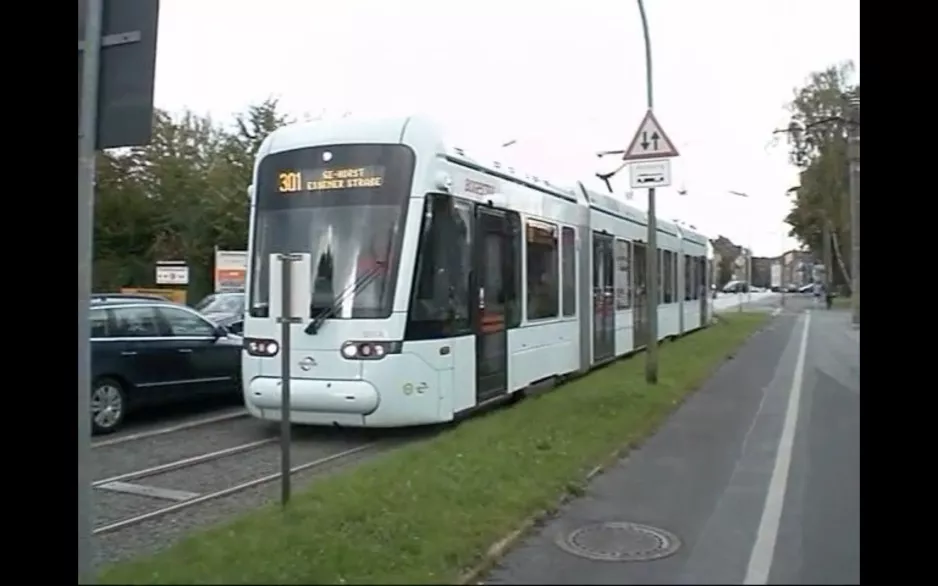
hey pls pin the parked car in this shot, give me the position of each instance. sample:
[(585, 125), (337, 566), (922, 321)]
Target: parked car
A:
[(736, 287), (96, 297), (149, 351), (225, 309)]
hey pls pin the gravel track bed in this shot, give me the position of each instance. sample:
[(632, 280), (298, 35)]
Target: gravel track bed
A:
[(109, 461), (114, 506), (233, 470), (161, 532), (171, 416)]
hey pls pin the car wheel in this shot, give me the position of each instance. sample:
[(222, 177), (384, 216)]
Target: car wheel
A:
[(108, 405)]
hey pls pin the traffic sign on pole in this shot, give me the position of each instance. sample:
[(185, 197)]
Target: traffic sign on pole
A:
[(647, 174), (126, 62), (650, 142)]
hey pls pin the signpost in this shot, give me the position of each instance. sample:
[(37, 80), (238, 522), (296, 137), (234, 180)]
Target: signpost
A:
[(231, 267), (172, 272), (116, 60), (650, 174), (649, 143), (289, 294)]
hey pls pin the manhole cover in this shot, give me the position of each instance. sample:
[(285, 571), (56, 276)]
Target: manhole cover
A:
[(620, 542)]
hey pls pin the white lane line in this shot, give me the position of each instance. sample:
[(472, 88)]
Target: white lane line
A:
[(150, 491), (763, 550), (171, 429), (776, 311)]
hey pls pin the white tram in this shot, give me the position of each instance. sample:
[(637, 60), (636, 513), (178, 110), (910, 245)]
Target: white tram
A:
[(440, 283)]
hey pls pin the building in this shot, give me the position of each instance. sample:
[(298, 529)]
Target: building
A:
[(798, 268)]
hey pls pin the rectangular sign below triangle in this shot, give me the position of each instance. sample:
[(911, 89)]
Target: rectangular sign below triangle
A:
[(650, 142)]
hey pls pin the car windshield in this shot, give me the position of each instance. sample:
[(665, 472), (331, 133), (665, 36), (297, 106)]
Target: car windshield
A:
[(230, 303), (345, 207)]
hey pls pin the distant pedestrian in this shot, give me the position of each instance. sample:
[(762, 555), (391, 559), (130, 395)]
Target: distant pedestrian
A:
[(818, 290)]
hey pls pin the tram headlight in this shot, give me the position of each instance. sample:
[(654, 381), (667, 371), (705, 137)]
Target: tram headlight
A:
[(354, 350), (261, 347)]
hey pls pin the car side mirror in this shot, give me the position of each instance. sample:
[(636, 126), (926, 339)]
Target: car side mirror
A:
[(220, 332)]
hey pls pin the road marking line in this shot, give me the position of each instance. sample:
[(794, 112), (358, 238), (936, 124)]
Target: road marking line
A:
[(150, 491), (776, 311), (763, 550)]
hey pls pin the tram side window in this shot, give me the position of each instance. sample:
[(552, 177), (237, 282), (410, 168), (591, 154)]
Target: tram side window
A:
[(688, 278), (668, 276), (568, 270), (660, 276), (695, 269), (543, 286), (701, 277), (622, 277), (675, 276), (440, 299)]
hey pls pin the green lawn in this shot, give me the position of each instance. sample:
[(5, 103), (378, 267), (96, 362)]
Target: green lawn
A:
[(426, 513), (841, 303)]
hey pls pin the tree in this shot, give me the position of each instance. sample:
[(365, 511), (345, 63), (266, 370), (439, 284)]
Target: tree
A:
[(817, 138), (177, 198)]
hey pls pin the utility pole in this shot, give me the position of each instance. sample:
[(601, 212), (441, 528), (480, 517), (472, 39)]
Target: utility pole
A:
[(650, 143), (826, 252), (651, 258), (87, 139), (853, 153)]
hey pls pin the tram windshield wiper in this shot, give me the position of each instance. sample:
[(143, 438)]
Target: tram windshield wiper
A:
[(363, 281)]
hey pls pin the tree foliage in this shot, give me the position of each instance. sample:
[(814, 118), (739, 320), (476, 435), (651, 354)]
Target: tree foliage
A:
[(817, 141), (177, 198)]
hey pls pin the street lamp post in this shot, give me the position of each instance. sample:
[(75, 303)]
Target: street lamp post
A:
[(748, 257), (853, 152), (651, 260), (651, 271)]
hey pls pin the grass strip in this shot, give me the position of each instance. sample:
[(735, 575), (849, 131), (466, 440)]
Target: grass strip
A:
[(841, 303), (427, 512)]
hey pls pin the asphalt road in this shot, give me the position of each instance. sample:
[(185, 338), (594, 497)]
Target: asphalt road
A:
[(757, 475)]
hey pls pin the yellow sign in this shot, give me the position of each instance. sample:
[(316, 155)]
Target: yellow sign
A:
[(330, 179), (174, 295)]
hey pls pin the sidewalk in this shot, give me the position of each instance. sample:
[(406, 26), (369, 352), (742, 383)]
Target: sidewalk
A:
[(710, 480)]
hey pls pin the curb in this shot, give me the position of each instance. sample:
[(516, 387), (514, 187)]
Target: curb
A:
[(500, 548)]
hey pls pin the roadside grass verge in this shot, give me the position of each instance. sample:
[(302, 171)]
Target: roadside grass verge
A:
[(840, 303), (427, 512)]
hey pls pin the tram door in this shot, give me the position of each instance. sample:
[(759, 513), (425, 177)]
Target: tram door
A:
[(604, 310), (493, 275), (640, 287)]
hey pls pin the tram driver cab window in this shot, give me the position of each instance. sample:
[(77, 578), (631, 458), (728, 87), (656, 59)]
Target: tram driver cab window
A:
[(440, 300)]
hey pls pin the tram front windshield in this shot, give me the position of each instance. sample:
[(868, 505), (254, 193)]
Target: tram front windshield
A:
[(345, 206)]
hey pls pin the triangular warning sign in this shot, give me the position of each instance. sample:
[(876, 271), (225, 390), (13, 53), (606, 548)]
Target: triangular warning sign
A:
[(650, 141)]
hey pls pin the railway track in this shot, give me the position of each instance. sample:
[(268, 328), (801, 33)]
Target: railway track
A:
[(155, 486), (120, 482)]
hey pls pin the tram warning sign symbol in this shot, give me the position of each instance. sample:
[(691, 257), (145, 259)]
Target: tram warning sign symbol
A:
[(650, 142)]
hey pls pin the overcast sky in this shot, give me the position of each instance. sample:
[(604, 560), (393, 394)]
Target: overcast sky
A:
[(564, 79)]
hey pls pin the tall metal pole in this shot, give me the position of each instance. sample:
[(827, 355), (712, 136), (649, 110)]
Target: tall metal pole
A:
[(853, 152), (87, 142), (286, 320), (828, 255), (739, 294), (747, 267), (651, 352)]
